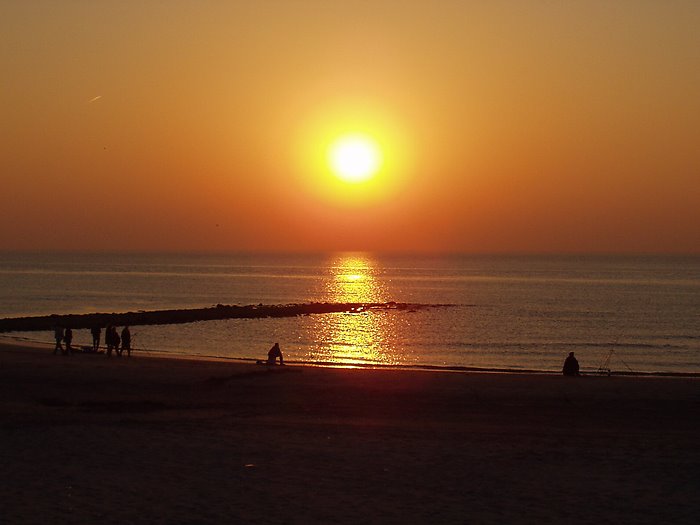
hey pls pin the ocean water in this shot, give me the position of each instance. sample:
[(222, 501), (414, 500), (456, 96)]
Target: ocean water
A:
[(636, 314)]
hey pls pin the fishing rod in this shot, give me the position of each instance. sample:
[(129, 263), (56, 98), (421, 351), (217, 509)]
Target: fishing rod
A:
[(604, 367)]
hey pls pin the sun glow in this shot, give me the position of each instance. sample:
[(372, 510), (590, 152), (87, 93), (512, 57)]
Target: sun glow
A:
[(354, 158), (362, 337)]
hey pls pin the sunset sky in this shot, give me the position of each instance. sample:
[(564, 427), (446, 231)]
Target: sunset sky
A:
[(519, 126)]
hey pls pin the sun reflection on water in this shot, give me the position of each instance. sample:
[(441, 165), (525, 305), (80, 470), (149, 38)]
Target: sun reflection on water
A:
[(352, 279), (364, 337)]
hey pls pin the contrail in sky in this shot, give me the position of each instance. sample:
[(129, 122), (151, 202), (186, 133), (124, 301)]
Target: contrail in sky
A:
[(98, 97)]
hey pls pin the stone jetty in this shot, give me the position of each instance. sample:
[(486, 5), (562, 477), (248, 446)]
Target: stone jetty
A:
[(218, 312)]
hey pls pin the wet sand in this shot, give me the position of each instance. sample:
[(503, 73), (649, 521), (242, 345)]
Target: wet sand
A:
[(88, 439)]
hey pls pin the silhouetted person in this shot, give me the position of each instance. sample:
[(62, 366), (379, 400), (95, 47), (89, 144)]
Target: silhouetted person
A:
[(109, 339), (126, 341), (68, 338), (274, 353), (95, 331), (570, 366), (58, 335)]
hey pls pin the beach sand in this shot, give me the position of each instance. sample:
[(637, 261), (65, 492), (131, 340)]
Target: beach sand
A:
[(86, 439)]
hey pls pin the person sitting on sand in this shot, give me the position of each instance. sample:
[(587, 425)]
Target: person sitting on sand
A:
[(274, 353), (570, 366)]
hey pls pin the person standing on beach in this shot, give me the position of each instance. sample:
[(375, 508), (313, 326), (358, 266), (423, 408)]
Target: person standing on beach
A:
[(58, 335), (95, 331), (109, 339), (68, 338), (126, 341), (273, 354), (570, 366)]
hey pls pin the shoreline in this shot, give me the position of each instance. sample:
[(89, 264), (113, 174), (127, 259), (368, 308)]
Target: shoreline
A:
[(170, 440), (7, 340)]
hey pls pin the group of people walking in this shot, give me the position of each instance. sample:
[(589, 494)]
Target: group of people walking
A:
[(113, 341), (63, 336)]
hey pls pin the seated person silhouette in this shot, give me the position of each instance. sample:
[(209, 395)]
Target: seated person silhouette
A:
[(570, 366), (272, 356)]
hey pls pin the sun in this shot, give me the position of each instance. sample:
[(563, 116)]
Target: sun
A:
[(354, 158)]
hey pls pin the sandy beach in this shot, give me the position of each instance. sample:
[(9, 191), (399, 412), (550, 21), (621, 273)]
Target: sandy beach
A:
[(86, 439)]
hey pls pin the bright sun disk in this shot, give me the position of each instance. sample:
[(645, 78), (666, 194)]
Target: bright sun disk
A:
[(354, 158)]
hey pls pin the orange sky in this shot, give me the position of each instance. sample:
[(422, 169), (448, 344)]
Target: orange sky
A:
[(505, 126)]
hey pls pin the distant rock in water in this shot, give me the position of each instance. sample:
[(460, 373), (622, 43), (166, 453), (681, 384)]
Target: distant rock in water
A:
[(218, 312)]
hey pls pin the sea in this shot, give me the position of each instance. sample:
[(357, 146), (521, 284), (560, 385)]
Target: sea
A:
[(619, 314)]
